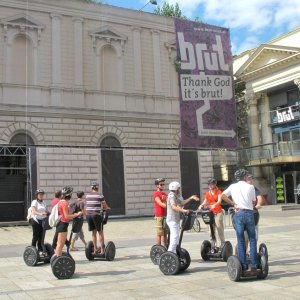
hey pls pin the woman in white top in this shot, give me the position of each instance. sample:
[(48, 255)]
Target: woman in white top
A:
[(39, 212)]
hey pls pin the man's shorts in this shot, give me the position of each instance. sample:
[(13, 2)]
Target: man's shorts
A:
[(95, 222), (62, 227), (159, 226)]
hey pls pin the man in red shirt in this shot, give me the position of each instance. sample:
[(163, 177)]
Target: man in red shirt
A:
[(160, 198), (213, 200)]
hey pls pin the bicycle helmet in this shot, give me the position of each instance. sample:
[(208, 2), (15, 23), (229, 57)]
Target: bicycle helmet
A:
[(39, 191), (94, 185), (67, 191), (159, 180), (240, 174), (211, 180), (174, 186)]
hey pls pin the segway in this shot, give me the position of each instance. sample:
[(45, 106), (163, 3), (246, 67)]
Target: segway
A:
[(234, 267), (171, 263), (209, 250), (63, 267), (157, 250), (31, 254), (110, 248)]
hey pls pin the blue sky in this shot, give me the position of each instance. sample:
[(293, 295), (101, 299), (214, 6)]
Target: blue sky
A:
[(251, 22)]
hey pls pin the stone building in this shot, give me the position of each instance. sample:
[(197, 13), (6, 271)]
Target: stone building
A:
[(90, 92), (271, 73)]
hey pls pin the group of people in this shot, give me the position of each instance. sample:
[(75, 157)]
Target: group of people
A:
[(242, 195), (92, 207)]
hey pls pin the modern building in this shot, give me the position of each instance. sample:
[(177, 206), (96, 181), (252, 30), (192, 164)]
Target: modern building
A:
[(90, 92), (270, 115)]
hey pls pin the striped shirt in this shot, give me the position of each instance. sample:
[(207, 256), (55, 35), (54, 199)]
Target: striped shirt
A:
[(93, 204)]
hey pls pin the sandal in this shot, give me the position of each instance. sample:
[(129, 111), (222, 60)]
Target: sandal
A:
[(73, 249)]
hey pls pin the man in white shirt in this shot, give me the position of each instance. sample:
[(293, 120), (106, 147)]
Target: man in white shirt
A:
[(243, 196)]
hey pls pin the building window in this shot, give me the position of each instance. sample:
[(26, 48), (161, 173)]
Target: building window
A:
[(110, 142)]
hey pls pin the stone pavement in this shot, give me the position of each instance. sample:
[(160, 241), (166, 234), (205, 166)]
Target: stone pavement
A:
[(133, 276)]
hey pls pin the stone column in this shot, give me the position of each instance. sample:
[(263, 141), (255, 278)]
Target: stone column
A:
[(78, 52), (156, 60), (137, 57), (56, 49), (56, 94)]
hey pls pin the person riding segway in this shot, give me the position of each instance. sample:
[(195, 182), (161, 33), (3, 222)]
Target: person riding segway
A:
[(243, 195)]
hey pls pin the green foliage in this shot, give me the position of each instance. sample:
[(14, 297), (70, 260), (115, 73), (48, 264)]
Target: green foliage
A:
[(169, 10)]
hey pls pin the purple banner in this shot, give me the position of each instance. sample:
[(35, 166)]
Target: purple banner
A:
[(207, 105)]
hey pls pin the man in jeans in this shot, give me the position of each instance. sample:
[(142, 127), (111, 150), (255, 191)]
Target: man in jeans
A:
[(243, 196)]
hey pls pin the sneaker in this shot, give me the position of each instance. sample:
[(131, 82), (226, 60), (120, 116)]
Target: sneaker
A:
[(252, 272)]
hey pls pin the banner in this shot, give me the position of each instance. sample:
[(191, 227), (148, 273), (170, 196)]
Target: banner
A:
[(207, 105)]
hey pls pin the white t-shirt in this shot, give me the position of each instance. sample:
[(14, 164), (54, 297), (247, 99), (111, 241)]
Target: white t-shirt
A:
[(242, 193), (40, 207)]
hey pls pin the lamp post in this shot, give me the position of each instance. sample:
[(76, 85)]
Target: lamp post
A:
[(154, 2)]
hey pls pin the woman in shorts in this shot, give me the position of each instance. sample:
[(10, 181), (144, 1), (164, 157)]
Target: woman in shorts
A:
[(64, 211)]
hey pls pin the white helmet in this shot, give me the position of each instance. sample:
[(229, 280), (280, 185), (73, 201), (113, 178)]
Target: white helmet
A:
[(174, 186)]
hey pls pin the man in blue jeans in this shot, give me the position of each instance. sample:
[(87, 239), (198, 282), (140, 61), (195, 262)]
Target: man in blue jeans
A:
[(243, 196)]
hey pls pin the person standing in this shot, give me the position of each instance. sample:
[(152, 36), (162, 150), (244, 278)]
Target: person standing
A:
[(79, 206), (95, 204), (64, 212), (39, 212), (160, 202), (243, 196), (175, 205), (212, 200)]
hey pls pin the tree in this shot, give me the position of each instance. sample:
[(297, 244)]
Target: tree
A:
[(169, 10)]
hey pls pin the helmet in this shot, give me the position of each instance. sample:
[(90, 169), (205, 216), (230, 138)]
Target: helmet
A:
[(240, 174), (94, 185), (174, 186), (159, 180), (211, 180), (67, 190), (39, 191)]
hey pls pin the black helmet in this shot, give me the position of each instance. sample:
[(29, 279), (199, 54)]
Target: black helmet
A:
[(211, 180), (39, 191), (159, 180), (240, 174), (67, 191), (94, 185)]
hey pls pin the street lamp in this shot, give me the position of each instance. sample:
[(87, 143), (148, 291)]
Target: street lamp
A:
[(154, 2)]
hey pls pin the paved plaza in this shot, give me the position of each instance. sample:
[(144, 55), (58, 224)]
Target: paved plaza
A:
[(133, 276)]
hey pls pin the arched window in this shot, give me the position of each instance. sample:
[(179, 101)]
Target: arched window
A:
[(21, 62), (21, 139), (110, 69), (110, 142)]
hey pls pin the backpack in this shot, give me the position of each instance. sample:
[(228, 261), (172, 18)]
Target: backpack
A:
[(29, 214), (54, 217)]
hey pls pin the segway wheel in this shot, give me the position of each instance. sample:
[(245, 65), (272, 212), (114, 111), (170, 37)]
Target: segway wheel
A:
[(62, 254), (89, 250), (50, 253), (110, 251), (234, 268), (264, 266), (185, 259), (227, 251), (155, 253), (205, 249), (263, 250), (169, 263), (63, 267), (31, 256)]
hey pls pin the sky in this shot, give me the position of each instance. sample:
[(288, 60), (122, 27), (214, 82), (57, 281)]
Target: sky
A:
[(251, 22)]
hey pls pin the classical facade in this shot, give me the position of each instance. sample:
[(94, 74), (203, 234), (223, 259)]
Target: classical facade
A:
[(90, 92), (271, 139)]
